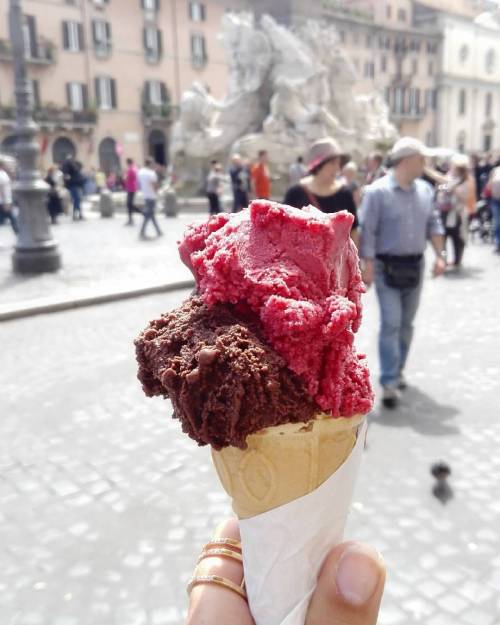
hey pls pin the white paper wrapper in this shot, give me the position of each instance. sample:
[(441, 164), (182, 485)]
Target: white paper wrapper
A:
[(283, 549)]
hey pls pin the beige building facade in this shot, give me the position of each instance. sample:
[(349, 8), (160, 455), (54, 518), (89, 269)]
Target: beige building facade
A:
[(107, 75), (394, 52), (395, 58)]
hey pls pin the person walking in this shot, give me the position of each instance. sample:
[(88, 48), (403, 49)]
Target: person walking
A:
[(375, 169), (349, 174), (6, 207), (398, 215), (240, 183), (455, 194), (131, 189), (297, 171), (148, 184), (323, 188), (260, 177), (73, 182), (54, 204), (494, 190), (214, 187)]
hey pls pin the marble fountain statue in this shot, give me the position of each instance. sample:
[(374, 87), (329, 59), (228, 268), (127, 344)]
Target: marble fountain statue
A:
[(286, 89)]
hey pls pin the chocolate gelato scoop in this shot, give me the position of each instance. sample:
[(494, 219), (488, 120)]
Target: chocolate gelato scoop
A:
[(222, 378)]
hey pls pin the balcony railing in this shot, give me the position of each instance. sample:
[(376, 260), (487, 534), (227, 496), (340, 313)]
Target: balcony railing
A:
[(47, 115), (157, 112), (199, 60), (408, 115), (44, 52), (340, 7)]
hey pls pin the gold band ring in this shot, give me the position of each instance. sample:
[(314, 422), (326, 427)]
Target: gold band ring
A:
[(224, 542), (220, 581), (220, 552)]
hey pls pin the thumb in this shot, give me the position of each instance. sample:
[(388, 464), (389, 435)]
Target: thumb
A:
[(349, 589)]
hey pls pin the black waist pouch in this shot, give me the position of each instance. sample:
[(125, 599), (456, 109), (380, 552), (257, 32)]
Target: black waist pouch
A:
[(402, 272)]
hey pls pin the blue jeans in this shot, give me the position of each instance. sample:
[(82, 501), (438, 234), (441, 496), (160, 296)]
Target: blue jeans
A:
[(495, 209), (9, 215), (397, 313), (76, 198), (149, 216)]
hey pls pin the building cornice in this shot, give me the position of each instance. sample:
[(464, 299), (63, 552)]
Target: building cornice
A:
[(383, 28), (455, 80)]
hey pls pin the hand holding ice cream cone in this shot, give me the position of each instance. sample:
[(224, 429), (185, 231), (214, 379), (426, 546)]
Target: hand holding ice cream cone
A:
[(261, 365), (348, 591)]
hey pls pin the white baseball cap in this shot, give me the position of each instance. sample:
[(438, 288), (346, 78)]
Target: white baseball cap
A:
[(409, 146)]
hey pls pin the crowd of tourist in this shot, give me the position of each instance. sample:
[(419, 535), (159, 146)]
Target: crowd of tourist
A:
[(398, 201)]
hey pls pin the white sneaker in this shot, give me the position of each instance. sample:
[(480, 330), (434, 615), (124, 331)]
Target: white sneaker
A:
[(402, 383), (390, 397)]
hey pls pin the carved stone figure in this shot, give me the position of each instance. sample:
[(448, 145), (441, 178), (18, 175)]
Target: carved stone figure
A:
[(286, 89)]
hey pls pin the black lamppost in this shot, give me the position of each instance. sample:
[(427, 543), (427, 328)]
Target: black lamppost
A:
[(36, 251)]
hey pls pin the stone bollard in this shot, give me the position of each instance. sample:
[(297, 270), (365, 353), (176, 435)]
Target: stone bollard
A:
[(106, 204), (170, 203)]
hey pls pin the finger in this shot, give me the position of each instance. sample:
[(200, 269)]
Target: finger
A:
[(210, 604), (349, 588)]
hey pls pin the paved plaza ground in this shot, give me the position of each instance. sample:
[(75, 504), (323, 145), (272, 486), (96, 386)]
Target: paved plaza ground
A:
[(104, 503), (98, 256)]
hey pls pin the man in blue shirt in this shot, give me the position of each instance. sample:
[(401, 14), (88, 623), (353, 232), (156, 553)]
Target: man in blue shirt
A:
[(398, 216)]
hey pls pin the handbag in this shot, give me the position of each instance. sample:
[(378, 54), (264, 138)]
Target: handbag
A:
[(402, 272), (445, 199)]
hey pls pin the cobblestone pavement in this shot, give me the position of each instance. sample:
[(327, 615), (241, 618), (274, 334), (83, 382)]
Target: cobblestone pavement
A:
[(98, 255), (104, 504)]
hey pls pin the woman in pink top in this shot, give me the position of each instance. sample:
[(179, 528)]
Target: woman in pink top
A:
[(131, 188)]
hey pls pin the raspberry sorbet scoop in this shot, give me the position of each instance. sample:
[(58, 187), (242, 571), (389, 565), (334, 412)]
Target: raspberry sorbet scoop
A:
[(297, 273)]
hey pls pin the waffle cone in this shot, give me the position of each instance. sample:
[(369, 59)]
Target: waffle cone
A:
[(284, 462)]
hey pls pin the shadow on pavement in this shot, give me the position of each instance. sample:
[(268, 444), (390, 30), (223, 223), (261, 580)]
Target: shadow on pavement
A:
[(420, 412), (464, 273)]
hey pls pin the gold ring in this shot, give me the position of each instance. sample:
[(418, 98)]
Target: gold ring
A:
[(220, 552), (224, 542), (220, 581)]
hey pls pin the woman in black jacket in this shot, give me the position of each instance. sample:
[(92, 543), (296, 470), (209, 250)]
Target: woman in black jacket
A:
[(54, 204), (322, 187)]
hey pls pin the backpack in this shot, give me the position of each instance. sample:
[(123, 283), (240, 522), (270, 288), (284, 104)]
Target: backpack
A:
[(495, 184)]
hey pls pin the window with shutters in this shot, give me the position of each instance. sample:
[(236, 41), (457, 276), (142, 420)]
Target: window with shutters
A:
[(490, 61), (488, 104), (101, 35), (77, 96), (30, 37), (198, 50), (462, 102), (72, 36), (369, 70), (383, 63), (197, 11), (431, 97), (35, 90), (105, 91), (398, 100), (156, 99), (156, 93), (152, 43)]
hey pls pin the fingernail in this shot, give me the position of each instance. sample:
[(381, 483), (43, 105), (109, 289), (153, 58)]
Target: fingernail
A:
[(358, 573)]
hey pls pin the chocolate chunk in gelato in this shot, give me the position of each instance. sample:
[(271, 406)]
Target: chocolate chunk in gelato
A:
[(222, 378)]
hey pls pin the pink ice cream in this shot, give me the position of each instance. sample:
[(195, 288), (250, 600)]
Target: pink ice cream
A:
[(297, 271)]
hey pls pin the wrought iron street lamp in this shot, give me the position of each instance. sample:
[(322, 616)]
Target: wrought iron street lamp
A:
[(36, 251)]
